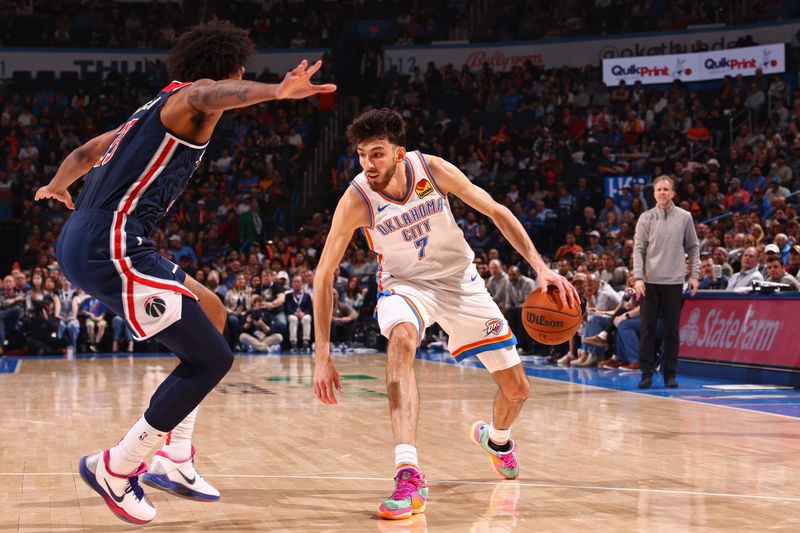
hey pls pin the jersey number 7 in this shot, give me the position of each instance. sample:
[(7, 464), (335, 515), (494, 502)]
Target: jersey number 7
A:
[(421, 244)]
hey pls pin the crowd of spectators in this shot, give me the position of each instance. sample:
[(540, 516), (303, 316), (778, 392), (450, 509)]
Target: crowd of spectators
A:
[(318, 23), (274, 24), (527, 20), (542, 142)]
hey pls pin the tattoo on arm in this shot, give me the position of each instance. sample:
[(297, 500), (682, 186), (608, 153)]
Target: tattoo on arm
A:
[(227, 94)]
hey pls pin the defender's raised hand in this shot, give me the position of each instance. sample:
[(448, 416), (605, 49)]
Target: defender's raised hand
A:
[(297, 82)]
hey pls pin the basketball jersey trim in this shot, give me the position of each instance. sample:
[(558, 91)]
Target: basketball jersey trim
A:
[(367, 237), (118, 236), (369, 204), (429, 173), (173, 87), (412, 179), (484, 345), (379, 273), (184, 141)]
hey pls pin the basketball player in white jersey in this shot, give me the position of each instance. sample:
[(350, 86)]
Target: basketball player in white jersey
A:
[(425, 275)]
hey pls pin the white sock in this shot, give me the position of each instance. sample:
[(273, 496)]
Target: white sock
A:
[(179, 441), (126, 456), (499, 436), (405, 455)]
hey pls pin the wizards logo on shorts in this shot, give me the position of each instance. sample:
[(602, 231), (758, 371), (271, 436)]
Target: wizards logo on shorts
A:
[(493, 326), (155, 306), (424, 188)]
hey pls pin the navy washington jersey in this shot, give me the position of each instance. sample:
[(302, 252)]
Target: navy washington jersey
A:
[(145, 168)]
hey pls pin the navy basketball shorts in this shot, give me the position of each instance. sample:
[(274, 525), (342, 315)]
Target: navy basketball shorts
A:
[(109, 256)]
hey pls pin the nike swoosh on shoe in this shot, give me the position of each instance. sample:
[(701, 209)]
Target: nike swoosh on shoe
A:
[(117, 499), (189, 481)]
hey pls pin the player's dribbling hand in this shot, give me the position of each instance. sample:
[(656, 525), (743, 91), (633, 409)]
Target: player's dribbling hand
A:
[(297, 82), (569, 296), (326, 380), (48, 192)]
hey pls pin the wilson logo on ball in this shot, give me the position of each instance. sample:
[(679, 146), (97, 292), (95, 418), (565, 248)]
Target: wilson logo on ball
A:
[(155, 306), (540, 320)]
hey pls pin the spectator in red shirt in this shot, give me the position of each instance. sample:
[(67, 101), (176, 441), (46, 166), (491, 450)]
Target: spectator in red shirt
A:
[(571, 247), (698, 133), (734, 188)]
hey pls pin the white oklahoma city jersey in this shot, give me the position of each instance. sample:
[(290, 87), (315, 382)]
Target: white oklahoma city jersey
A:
[(415, 237)]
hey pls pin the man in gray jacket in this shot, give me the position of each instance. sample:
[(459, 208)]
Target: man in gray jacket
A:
[(497, 284), (664, 236)]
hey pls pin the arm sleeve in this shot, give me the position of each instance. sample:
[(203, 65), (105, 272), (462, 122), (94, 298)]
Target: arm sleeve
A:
[(692, 247), (640, 238)]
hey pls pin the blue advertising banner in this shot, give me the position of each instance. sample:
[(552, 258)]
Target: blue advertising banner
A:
[(614, 184)]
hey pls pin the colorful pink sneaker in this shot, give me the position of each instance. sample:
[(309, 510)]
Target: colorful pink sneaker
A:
[(409, 496), (504, 463)]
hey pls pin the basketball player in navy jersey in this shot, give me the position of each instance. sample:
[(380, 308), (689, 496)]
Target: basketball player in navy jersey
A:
[(133, 175), (425, 275)]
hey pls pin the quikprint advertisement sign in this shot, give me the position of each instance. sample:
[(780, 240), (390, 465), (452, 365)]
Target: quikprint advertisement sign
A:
[(701, 66), (754, 331)]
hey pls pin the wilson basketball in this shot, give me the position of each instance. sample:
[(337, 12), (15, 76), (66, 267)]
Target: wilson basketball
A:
[(547, 320)]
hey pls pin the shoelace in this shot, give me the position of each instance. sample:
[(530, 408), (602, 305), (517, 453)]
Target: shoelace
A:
[(133, 486), (404, 489), (508, 460)]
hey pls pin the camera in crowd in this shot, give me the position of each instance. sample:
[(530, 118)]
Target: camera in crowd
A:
[(769, 287)]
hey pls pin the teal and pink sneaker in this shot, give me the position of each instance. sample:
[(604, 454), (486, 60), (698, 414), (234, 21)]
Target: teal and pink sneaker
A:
[(504, 463), (409, 496)]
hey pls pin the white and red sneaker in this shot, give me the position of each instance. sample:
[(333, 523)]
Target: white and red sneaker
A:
[(122, 494), (179, 477)]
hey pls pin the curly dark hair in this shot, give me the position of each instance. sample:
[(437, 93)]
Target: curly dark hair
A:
[(378, 124), (214, 50)]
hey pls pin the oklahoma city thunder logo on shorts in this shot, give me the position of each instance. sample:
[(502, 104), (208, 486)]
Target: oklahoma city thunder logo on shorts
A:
[(493, 327), (155, 306), (423, 188)]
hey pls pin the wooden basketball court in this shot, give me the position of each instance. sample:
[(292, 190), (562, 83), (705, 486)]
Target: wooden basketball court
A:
[(592, 459)]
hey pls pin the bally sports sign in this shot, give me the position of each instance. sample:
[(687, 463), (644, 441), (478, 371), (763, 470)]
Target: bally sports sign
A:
[(751, 330), (771, 59)]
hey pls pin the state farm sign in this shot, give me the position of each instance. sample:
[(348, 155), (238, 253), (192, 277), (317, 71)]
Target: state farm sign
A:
[(752, 331)]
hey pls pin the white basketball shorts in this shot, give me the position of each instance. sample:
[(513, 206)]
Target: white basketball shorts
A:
[(463, 308)]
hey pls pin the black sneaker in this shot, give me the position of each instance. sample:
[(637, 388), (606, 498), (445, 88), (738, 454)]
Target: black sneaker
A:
[(646, 382), (670, 382)]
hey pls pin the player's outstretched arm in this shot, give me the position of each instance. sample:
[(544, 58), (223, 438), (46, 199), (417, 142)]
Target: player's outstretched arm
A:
[(451, 180), (78, 162), (350, 214), (210, 97)]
